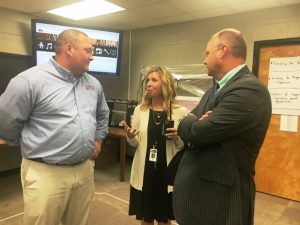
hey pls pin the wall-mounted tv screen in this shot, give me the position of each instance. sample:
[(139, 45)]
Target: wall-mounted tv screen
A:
[(106, 43)]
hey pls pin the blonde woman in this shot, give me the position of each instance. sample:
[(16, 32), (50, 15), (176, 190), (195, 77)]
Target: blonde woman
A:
[(154, 134)]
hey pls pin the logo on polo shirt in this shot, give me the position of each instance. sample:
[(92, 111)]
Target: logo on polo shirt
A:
[(89, 87)]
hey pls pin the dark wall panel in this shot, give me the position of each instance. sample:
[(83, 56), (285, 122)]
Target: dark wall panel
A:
[(10, 66)]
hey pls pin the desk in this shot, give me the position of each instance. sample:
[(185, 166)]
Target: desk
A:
[(120, 133)]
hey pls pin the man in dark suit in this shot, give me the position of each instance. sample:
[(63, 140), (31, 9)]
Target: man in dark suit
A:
[(214, 184)]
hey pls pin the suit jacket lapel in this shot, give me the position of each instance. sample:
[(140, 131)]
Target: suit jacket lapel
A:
[(206, 101)]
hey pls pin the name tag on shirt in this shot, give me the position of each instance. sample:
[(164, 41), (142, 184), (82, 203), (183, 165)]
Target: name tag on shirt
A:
[(153, 154)]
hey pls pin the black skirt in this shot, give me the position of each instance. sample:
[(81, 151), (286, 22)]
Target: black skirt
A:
[(153, 202), (148, 209)]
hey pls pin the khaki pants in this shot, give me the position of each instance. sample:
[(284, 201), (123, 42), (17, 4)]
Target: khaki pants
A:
[(56, 195)]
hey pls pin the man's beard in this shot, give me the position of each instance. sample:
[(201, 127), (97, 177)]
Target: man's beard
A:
[(210, 73), (215, 72)]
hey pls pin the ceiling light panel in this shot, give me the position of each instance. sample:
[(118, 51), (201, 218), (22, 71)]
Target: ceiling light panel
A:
[(86, 9)]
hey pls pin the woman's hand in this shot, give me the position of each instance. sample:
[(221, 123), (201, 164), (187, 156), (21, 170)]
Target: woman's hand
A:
[(171, 133), (130, 132)]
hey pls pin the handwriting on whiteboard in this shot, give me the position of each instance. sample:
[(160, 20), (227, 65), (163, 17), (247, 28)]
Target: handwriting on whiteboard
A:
[(284, 84)]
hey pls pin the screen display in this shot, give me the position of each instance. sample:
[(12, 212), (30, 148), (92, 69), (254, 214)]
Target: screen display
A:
[(107, 46)]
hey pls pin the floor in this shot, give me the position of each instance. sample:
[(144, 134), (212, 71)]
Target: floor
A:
[(110, 202)]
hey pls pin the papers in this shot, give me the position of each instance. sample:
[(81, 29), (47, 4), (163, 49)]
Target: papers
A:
[(284, 85), (284, 88)]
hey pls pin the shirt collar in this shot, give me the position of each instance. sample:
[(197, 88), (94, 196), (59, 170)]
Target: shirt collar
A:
[(229, 75), (68, 75)]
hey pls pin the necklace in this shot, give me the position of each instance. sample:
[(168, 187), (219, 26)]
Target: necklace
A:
[(158, 114)]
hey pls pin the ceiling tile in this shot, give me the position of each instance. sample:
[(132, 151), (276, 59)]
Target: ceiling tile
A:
[(146, 13)]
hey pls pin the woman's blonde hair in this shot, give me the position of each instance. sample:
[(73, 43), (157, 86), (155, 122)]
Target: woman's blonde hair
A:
[(168, 89)]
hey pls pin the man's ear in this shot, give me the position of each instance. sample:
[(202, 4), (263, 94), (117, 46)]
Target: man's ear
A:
[(69, 49), (223, 51)]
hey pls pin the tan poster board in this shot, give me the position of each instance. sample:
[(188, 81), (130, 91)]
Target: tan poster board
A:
[(278, 164)]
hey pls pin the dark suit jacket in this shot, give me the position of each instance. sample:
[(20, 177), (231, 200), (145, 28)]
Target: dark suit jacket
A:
[(214, 184)]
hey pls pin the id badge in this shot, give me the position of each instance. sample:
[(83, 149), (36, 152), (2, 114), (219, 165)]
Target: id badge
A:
[(153, 154)]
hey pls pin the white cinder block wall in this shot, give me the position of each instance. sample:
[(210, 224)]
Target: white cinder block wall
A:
[(15, 32), (185, 43), (175, 44)]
